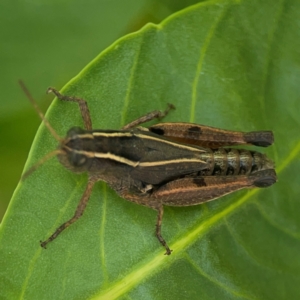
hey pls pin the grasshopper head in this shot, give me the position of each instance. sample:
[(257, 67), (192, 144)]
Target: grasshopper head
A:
[(77, 150)]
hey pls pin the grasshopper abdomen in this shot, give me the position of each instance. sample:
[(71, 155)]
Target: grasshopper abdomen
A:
[(228, 161)]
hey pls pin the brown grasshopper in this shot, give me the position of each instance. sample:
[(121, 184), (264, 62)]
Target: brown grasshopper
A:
[(173, 164)]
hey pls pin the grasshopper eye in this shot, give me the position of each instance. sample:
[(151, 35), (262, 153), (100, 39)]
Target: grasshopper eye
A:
[(78, 160)]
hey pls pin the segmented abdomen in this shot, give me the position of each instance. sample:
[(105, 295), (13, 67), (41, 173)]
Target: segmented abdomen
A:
[(227, 161)]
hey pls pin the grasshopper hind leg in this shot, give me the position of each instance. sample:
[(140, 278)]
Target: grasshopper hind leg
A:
[(199, 189), (158, 230), (145, 199)]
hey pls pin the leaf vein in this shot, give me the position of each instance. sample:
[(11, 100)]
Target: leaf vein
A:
[(266, 66), (203, 51), (275, 224), (131, 82), (214, 281), (248, 251), (102, 232)]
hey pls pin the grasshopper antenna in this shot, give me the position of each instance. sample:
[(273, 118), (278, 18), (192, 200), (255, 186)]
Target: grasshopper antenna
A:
[(34, 104), (52, 131), (40, 162)]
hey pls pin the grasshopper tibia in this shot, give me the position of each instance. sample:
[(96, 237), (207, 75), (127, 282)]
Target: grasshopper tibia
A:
[(158, 230), (156, 114)]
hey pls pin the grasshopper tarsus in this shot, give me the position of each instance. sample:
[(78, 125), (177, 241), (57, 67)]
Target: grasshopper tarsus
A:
[(54, 235), (59, 95), (168, 252), (170, 107), (59, 230), (43, 244), (162, 241), (50, 90)]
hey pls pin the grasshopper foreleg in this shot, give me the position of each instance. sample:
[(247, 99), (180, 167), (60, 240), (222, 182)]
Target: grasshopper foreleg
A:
[(156, 114), (78, 213), (83, 106)]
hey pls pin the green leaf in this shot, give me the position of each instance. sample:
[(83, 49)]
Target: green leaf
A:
[(229, 64)]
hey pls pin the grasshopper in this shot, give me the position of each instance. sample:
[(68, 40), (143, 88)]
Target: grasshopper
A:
[(173, 164)]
